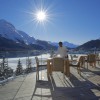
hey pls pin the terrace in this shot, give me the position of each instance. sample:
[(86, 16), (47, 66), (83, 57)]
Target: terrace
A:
[(75, 87)]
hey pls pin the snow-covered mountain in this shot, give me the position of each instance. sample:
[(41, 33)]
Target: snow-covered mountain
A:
[(7, 30), (28, 39), (71, 45), (65, 43)]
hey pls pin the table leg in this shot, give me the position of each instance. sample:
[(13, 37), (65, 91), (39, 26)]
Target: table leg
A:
[(67, 68), (48, 68)]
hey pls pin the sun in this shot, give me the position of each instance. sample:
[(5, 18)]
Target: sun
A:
[(41, 16)]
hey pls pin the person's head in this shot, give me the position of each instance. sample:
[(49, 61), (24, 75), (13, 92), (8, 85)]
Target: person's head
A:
[(60, 44)]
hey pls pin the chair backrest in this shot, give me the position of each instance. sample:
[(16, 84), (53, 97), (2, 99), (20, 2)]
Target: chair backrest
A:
[(71, 57), (97, 56), (91, 58), (58, 64), (80, 61)]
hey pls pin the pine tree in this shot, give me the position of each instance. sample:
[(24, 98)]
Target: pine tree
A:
[(19, 69)]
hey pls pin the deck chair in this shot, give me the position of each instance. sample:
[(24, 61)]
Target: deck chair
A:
[(91, 59), (38, 66), (79, 63), (98, 58), (57, 65), (72, 59)]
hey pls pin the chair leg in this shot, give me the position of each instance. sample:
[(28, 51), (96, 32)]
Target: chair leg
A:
[(78, 70), (94, 64), (87, 65), (37, 74), (51, 70), (63, 77)]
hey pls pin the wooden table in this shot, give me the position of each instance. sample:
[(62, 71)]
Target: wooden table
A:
[(66, 67)]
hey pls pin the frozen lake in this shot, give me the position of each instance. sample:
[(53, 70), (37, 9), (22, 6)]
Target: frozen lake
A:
[(12, 62)]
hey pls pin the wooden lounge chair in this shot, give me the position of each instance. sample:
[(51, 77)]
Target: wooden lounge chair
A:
[(91, 60), (72, 59), (98, 58), (79, 63), (38, 66), (57, 65)]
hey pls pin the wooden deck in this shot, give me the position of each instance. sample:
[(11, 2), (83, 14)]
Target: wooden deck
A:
[(84, 87)]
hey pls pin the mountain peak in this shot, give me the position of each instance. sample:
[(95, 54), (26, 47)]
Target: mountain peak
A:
[(7, 30), (4, 23), (2, 20)]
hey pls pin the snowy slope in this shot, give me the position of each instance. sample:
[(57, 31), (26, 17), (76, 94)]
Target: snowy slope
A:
[(8, 31), (28, 39)]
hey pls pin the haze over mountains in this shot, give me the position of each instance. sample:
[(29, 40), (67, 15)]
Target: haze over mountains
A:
[(11, 38)]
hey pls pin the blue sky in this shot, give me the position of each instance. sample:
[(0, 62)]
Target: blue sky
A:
[(75, 21)]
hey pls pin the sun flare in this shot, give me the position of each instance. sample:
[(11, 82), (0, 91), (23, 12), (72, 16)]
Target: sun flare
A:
[(41, 16)]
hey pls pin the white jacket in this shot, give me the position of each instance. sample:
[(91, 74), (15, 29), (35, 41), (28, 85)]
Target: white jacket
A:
[(62, 51)]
